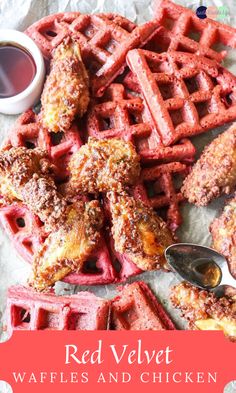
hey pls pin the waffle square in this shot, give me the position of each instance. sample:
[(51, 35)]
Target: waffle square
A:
[(29, 310), (104, 41), (186, 94), (158, 189), (136, 308), (122, 113), (183, 31), (50, 31)]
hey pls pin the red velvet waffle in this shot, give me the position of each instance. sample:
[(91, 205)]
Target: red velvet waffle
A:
[(28, 310), (184, 31), (104, 41), (158, 189), (120, 113), (136, 308), (24, 229), (49, 31), (186, 94)]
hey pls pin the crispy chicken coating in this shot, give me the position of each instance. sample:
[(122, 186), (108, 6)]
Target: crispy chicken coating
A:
[(66, 90), (214, 173), (74, 230), (65, 250), (104, 165), (17, 166), (41, 196), (25, 175), (203, 310), (223, 230), (138, 232)]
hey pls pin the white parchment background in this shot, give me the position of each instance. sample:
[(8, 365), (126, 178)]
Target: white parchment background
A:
[(19, 14)]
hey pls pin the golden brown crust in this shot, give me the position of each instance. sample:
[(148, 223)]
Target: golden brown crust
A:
[(138, 232), (66, 91), (25, 175), (65, 250), (41, 196), (104, 165), (19, 164), (203, 309), (223, 230), (214, 173)]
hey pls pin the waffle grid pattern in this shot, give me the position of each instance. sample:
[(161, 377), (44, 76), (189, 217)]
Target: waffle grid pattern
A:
[(183, 31), (104, 41), (135, 308), (28, 310), (183, 100)]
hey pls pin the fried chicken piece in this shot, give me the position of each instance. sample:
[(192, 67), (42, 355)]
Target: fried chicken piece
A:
[(17, 166), (223, 230), (65, 250), (41, 196), (104, 165), (66, 90), (25, 175), (203, 310), (214, 173), (138, 232)]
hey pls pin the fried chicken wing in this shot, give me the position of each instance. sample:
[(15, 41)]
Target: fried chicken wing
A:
[(66, 90), (25, 176), (214, 173), (203, 310), (65, 250), (104, 165), (223, 230), (138, 232)]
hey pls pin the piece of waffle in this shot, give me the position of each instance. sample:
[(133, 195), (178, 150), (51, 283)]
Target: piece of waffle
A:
[(182, 30), (24, 228), (104, 41), (49, 31), (186, 94), (136, 308), (29, 310), (160, 188), (122, 114)]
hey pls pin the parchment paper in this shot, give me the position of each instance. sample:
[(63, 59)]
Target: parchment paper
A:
[(19, 14)]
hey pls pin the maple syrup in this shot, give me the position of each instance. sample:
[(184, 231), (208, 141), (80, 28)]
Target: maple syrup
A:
[(205, 272), (17, 69)]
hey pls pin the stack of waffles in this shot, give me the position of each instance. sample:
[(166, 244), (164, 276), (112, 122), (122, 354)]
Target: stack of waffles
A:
[(155, 85)]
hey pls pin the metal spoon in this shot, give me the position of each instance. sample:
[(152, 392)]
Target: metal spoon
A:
[(200, 265)]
